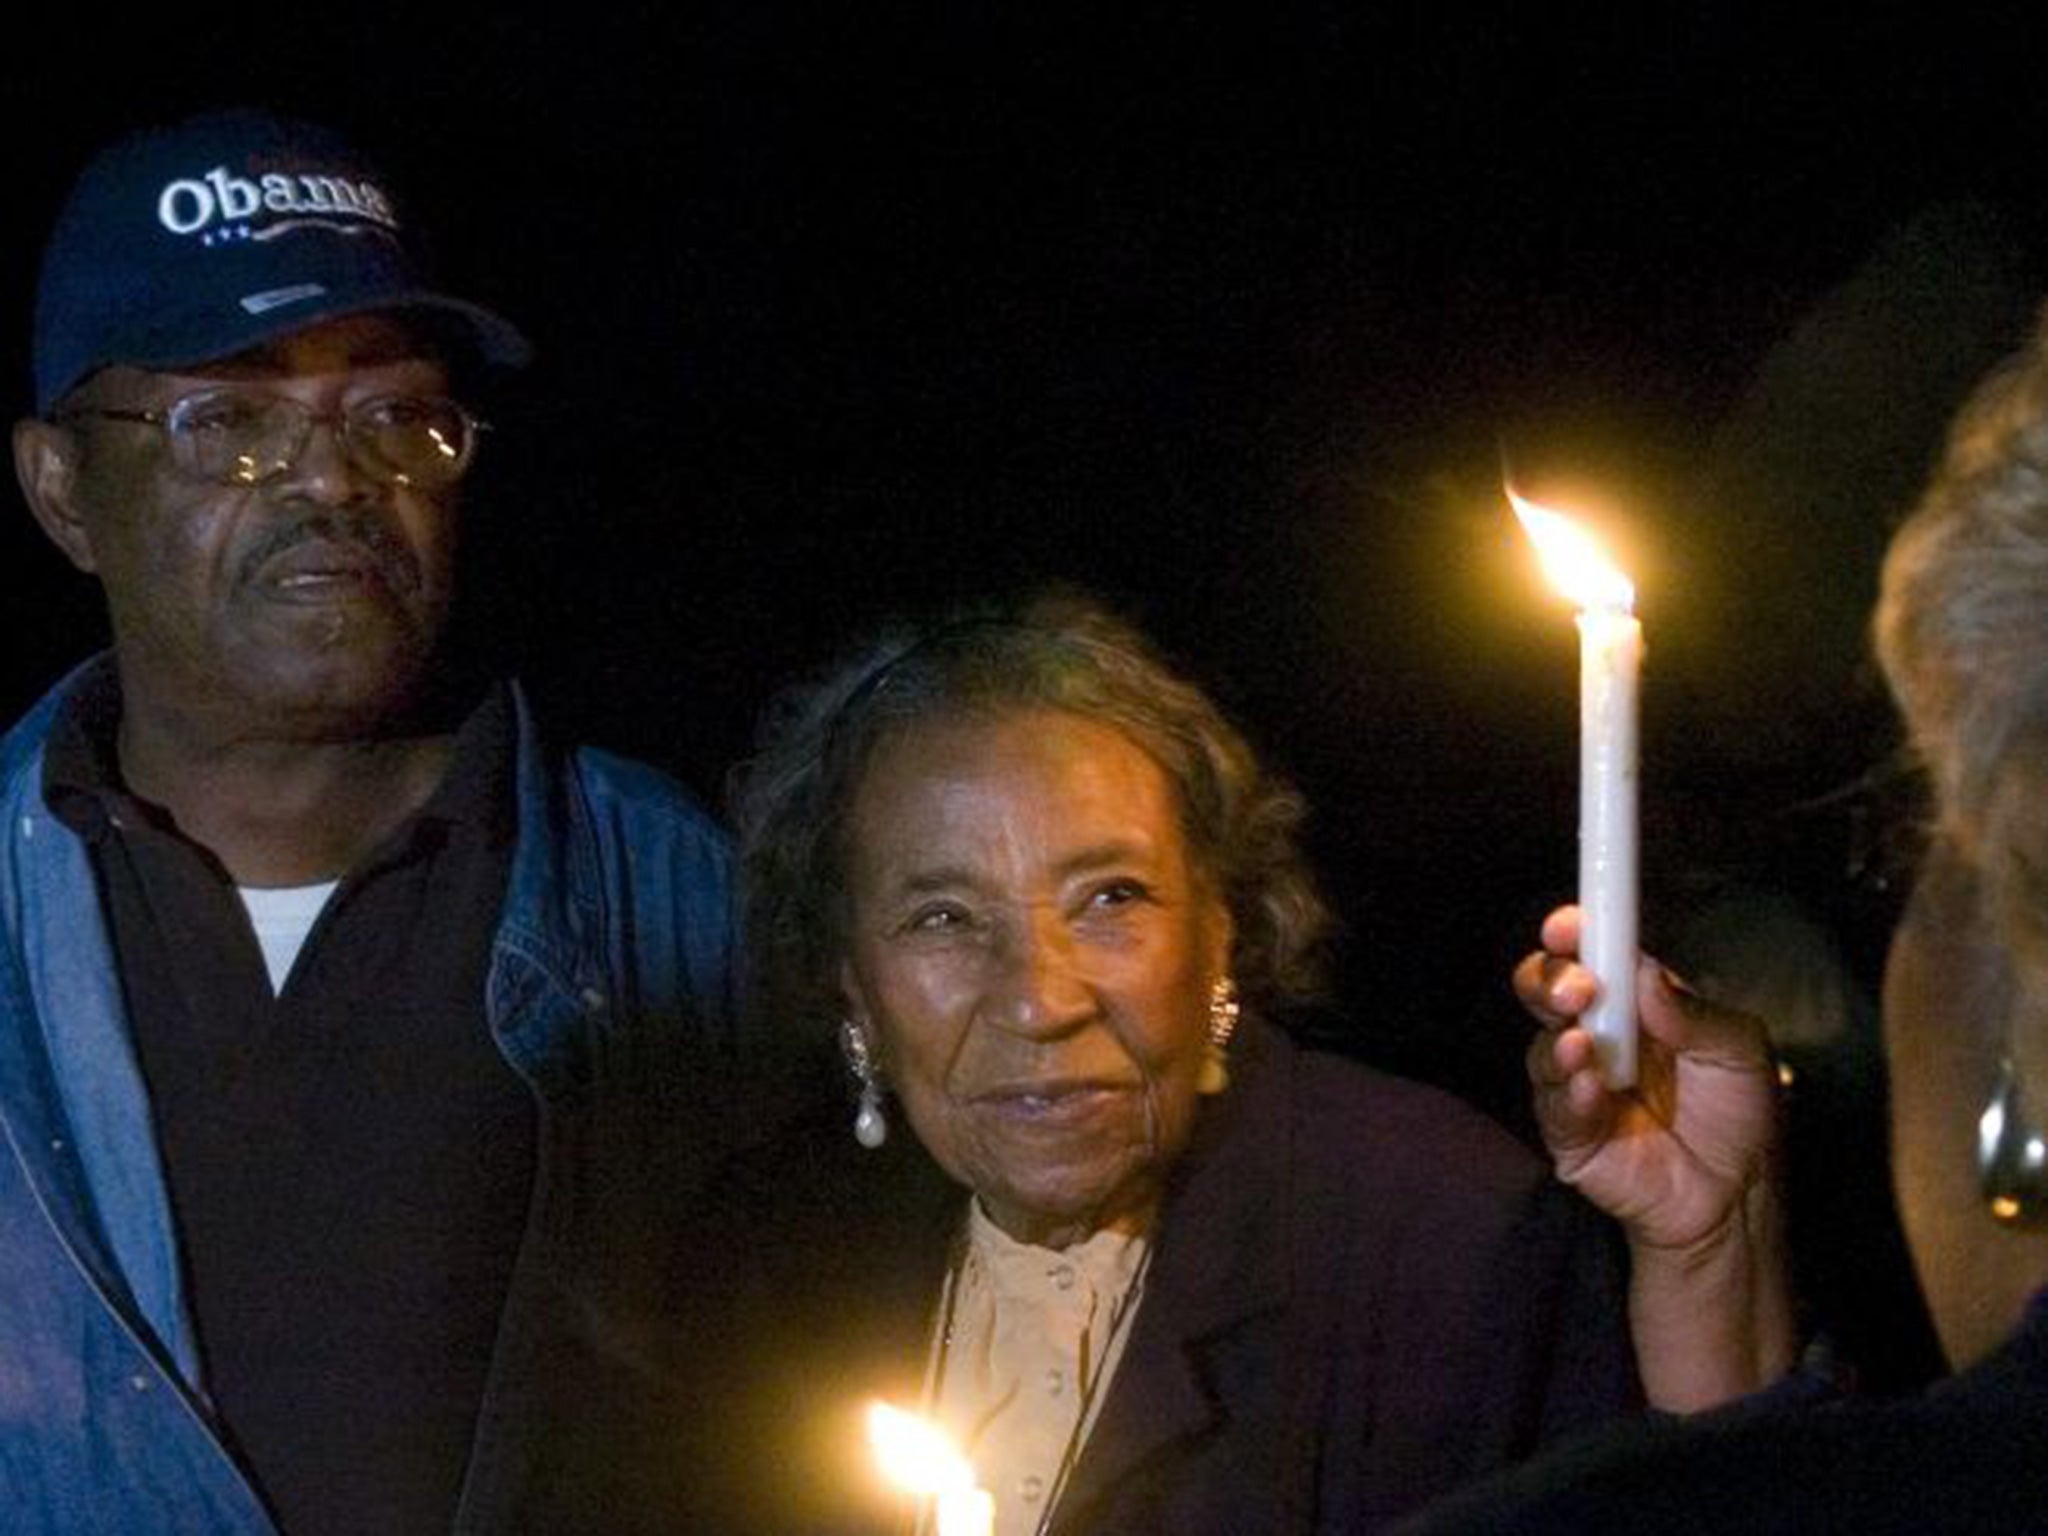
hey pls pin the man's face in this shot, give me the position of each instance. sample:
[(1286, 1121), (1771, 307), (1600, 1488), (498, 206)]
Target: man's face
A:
[(306, 607)]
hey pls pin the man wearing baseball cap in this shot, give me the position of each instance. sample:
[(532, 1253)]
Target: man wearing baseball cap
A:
[(340, 1012)]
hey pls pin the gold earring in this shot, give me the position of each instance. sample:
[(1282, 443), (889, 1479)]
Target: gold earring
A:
[(1214, 1075)]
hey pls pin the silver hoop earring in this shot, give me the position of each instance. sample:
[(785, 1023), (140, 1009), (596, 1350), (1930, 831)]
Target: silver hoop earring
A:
[(2012, 1155), (870, 1125), (1224, 1010)]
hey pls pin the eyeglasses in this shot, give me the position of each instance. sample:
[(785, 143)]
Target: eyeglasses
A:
[(243, 437)]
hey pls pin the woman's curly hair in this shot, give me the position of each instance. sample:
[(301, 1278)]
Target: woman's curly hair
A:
[(1060, 650)]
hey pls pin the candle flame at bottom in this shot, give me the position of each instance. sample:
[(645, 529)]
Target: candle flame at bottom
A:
[(917, 1456), (914, 1453)]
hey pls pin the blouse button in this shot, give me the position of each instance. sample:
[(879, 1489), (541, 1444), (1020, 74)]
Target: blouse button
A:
[(1031, 1489), (1055, 1381), (1062, 1275)]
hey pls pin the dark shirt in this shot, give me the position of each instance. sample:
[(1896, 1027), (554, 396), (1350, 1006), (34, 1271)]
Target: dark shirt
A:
[(350, 1159), (1962, 1458)]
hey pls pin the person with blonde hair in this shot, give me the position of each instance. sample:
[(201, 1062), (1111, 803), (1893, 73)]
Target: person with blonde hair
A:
[(1961, 632)]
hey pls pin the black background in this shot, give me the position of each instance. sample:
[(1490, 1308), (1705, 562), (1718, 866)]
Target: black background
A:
[(1234, 314)]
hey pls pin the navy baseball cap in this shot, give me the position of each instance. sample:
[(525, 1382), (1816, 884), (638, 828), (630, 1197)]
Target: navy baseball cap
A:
[(189, 243)]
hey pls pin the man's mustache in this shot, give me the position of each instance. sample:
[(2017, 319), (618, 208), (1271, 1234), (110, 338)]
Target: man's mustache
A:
[(359, 531)]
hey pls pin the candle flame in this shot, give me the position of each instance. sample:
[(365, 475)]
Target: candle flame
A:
[(915, 1454), (1573, 559)]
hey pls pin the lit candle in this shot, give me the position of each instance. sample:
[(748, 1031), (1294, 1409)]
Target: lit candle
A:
[(1610, 663), (916, 1456)]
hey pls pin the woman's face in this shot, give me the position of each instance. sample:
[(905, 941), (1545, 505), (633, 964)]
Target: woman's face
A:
[(1031, 951)]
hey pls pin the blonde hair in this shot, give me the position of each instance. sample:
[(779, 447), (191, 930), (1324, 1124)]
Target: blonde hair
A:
[(1961, 632)]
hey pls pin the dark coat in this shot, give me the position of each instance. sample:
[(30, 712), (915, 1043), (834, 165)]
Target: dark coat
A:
[(1363, 1293), (1963, 1458), (1966, 1457)]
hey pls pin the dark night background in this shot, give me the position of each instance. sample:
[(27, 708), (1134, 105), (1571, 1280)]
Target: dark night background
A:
[(1233, 314)]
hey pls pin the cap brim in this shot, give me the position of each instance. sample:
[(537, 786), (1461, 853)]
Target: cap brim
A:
[(491, 337), (200, 338)]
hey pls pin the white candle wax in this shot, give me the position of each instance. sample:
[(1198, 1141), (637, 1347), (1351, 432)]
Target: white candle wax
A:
[(1610, 664)]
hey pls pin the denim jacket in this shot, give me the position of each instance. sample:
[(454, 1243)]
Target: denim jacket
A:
[(610, 963)]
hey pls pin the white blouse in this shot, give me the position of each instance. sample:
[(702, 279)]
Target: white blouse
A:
[(1028, 1340)]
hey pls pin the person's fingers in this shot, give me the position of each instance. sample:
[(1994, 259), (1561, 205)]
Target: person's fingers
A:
[(1531, 983), (1560, 933), (1587, 1095), (1572, 1099), (1553, 988), (1576, 1051), (1576, 1118)]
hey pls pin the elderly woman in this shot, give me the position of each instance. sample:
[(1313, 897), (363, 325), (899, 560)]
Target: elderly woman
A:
[(1153, 1266)]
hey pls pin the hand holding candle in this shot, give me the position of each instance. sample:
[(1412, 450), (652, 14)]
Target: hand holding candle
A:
[(1610, 660)]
